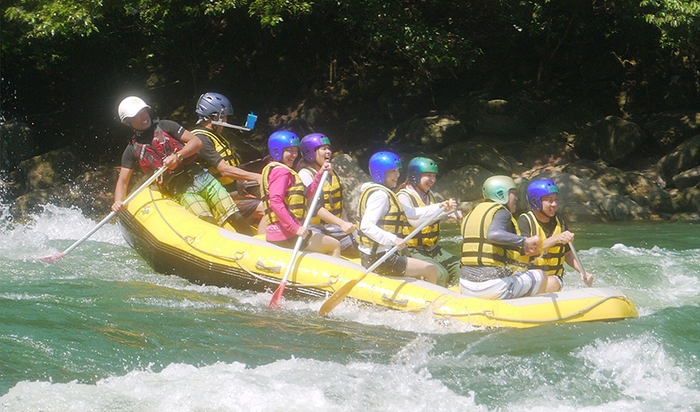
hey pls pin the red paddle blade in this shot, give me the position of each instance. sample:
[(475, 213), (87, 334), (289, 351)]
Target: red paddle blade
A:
[(275, 301), (52, 259)]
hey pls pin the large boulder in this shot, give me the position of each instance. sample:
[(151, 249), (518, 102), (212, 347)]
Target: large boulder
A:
[(685, 156), (16, 144), (472, 153), (501, 117), (668, 129), (616, 207), (612, 139), (463, 184), (428, 134), (50, 169), (352, 177)]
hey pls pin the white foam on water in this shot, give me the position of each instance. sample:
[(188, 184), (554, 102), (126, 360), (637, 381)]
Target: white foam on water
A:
[(285, 385), (33, 240)]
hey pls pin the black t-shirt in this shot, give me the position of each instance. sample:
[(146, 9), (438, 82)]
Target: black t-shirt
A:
[(130, 159), (208, 156)]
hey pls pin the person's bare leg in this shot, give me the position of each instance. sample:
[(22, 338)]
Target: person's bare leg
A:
[(416, 268), (324, 244)]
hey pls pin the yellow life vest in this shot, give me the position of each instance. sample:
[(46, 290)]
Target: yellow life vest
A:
[(332, 196), (477, 249), (393, 222), (552, 260), (295, 196), (224, 149), (429, 236)]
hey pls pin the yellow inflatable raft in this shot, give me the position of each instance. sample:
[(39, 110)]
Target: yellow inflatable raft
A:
[(173, 241)]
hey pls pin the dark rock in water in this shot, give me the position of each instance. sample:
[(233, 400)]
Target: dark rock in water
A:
[(667, 130), (688, 200)]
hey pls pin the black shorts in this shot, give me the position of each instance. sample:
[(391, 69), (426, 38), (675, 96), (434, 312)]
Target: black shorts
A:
[(395, 265)]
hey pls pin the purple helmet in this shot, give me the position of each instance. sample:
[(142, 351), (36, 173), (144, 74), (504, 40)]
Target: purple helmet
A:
[(309, 144), (537, 189), (213, 105), (380, 162), (280, 140)]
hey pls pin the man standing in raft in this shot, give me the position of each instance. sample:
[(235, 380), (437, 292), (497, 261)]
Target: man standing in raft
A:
[(543, 222), (284, 197), (166, 143), (422, 173), (383, 221), (218, 156), (493, 249)]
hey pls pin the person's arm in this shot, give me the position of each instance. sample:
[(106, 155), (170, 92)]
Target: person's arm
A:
[(417, 215), (192, 144), (587, 277), (498, 231), (377, 206), (280, 179), (212, 157), (120, 188)]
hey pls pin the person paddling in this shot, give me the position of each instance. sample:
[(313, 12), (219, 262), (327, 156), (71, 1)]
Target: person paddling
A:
[(542, 220), (284, 198), (493, 250), (331, 219), (219, 157), (384, 222), (165, 143), (416, 193)]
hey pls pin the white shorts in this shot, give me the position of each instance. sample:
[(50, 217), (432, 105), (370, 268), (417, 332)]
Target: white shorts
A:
[(514, 286)]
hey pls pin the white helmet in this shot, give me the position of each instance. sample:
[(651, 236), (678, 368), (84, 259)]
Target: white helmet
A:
[(130, 107)]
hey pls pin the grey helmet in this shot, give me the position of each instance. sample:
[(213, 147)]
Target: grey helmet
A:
[(213, 106)]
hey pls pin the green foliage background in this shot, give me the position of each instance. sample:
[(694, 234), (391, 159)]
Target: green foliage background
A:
[(371, 63)]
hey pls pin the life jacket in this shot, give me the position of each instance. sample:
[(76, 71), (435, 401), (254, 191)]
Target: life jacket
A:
[(332, 196), (477, 249), (429, 236), (552, 260), (393, 222), (224, 149), (151, 154), (294, 199)]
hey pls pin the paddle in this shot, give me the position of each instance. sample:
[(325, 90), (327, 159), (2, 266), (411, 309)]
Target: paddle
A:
[(584, 278), (340, 294), (274, 302), (59, 256)]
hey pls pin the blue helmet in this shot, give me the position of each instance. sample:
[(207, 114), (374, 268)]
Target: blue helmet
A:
[(280, 140), (537, 189), (309, 144), (213, 106), (380, 162)]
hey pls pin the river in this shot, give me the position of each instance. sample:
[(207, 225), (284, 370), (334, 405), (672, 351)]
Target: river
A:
[(101, 331)]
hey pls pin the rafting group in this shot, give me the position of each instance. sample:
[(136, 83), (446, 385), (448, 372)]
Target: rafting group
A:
[(501, 257)]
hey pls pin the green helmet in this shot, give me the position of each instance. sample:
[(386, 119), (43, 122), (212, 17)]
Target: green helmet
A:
[(497, 188), (419, 165)]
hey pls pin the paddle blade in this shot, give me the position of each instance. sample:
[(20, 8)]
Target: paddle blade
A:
[(275, 301), (339, 295), (53, 259)]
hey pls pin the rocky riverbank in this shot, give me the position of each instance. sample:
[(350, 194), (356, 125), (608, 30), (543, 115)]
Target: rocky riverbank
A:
[(612, 170)]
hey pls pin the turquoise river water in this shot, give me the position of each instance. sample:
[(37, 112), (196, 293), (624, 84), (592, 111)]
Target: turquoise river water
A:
[(101, 331)]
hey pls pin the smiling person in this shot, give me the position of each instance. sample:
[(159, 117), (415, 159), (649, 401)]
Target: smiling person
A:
[(542, 220), (165, 143), (416, 193), (493, 250), (284, 198), (219, 157), (331, 219), (384, 221)]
